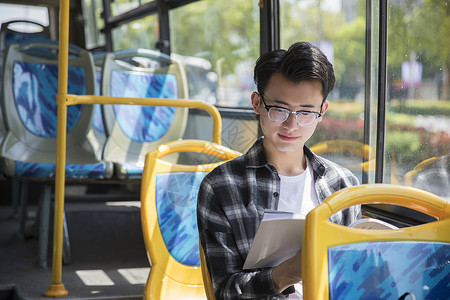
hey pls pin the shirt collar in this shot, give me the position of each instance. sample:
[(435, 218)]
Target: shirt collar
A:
[(256, 158), (316, 163)]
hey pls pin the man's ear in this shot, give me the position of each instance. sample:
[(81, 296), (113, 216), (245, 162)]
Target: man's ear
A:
[(256, 102), (324, 109)]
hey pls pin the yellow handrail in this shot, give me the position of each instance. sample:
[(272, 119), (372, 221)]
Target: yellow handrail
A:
[(56, 288), (212, 110)]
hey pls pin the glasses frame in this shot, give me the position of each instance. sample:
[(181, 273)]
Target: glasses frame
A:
[(269, 107)]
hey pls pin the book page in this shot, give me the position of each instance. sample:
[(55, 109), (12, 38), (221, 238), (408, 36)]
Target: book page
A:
[(372, 224), (270, 214), (278, 238)]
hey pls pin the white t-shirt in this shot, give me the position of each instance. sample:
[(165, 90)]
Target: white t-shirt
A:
[(298, 195)]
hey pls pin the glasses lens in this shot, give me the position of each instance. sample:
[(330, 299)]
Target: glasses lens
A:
[(305, 118), (278, 115)]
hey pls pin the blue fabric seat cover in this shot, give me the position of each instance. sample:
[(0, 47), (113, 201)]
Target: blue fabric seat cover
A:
[(35, 88), (388, 270), (73, 171), (143, 123), (176, 204), (18, 37)]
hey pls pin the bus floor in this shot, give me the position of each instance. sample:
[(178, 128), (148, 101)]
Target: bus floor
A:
[(108, 257)]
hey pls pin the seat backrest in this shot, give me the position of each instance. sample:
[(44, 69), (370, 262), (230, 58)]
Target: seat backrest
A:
[(432, 175), (347, 149), (30, 84), (169, 220), (339, 262), (134, 130), (29, 31), (411, 175)]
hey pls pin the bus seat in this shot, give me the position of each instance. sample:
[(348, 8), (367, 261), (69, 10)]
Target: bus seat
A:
[(29, 100), (28, 151), (340, 262), (169, 220), (432, 175), (348, 148), (18, 31), (354, 155), (133, 130)]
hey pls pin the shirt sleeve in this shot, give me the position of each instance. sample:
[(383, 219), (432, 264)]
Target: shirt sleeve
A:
[(222, 255)]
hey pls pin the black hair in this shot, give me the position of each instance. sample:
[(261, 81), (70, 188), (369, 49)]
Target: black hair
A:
[(301, 62)]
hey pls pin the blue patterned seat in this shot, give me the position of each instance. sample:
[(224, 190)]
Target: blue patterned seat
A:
[(176, 202), (28, 151), (169, 218), (31, 83), (8, 35), (388, 270), (133, 130), (341, 262)]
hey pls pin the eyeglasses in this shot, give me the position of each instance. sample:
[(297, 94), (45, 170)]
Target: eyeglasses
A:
[(280, 114)]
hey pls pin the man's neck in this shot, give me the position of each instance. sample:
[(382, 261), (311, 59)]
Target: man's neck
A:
[(286, 163)]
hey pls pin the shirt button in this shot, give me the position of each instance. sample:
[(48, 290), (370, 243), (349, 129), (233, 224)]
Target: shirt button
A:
[(275, 194)]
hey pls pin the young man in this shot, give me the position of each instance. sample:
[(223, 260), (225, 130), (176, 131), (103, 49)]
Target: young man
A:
[(278, 172)]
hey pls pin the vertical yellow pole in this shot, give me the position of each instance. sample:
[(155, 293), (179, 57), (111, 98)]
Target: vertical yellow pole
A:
[(57, 288)]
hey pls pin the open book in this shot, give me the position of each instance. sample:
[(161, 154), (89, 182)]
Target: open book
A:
[(280, 236)]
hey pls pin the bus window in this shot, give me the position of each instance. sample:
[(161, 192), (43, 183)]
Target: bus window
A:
[(418, 93), (93, 23), (226, 35), (120, 6), (338, 28), (141, 33)]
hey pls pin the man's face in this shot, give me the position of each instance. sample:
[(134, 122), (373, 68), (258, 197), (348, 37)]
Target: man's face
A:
[(288, 136)]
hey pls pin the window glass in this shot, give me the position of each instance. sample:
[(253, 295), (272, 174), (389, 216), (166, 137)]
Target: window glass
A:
[(120, 6), (418, 107), (218, 42), (94, 23), (141, 33), (338, 28)]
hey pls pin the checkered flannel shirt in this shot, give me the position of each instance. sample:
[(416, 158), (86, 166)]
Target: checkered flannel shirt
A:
[(231, 203)]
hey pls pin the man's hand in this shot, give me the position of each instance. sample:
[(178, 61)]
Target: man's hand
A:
[(288, 272)]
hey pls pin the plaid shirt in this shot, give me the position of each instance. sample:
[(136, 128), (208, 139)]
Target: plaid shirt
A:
[(231, 203)]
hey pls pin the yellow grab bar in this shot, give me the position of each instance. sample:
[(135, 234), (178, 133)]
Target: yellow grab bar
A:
[(212, 110)]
